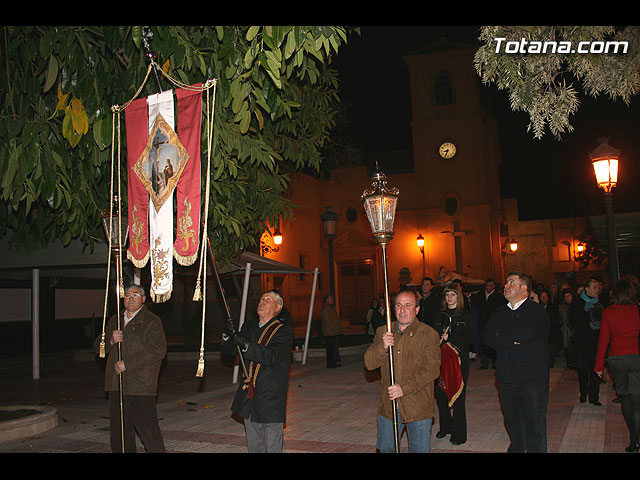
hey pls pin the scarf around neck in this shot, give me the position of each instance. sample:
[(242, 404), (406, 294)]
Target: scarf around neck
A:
[(588, 301)]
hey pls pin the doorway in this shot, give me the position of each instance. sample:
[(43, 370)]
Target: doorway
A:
[(355, 289)]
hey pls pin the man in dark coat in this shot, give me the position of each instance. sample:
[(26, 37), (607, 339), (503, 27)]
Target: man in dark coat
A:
[(486, 301), (430, 302), (143, 346), (262, 398), (519, 332)]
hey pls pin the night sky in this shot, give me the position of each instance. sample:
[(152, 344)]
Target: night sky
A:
[(551, 178)]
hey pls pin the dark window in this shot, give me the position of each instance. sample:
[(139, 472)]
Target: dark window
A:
[(451, 205), (443, 90), (351, 214)]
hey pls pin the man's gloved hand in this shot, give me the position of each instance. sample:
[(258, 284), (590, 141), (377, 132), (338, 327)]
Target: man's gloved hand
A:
[(241, 342), (228, 332), (230, 328)]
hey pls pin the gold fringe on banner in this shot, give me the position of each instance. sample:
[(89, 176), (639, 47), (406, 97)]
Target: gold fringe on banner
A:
[(138, 263), (162, 297), (187, 260)]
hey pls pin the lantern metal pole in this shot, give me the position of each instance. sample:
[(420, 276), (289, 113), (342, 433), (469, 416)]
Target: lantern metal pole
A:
[(119, 346), (394, 405), (117, 245), (379, 203), (224, 298)]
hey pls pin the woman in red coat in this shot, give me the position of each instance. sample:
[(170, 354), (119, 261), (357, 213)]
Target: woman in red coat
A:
[(619, 342)]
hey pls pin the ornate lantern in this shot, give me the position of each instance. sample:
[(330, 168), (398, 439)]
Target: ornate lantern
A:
[(379, 203)]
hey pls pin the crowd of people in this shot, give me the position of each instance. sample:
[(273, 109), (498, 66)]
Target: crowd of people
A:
[(520, 330)]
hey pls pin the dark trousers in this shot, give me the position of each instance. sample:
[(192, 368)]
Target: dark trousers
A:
[(524, 407), (140, 415), (625, 370), (333, 354), (454, 420), (487, 354), (589, 383)]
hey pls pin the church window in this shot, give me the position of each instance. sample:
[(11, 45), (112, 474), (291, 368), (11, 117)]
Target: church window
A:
[(443, 89)]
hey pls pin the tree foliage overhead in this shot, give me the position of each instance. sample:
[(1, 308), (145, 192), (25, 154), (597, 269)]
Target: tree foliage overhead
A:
[(540, 82), (274, 108)]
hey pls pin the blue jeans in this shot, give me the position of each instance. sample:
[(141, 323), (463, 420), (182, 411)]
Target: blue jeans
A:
[(419, 433), (525, 415)]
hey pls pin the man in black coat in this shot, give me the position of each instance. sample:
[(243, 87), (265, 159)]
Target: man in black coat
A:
[(486, 301), (262, 397), (430, 302), (518, 332)]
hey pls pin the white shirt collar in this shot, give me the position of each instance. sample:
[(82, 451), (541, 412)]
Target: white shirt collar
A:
[(128, 317), (515, 307)]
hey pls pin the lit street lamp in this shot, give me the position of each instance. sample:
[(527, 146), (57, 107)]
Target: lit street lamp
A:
[(605, 165), (277, 241), (420, 242), (380, 205)]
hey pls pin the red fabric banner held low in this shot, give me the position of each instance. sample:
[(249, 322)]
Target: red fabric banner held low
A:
[(450, 373)]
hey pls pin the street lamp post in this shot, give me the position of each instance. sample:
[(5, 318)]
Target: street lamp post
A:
[(380, 205), (329, 219), (420, 242), (605, 164), (277, 241)]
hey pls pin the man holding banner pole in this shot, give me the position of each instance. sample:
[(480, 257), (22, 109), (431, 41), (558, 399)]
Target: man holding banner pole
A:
[(143, 346)]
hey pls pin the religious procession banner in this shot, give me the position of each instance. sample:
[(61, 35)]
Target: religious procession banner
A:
[(161, 165)]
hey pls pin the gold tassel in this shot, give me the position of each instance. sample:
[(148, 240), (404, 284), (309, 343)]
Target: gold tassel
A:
[(102, 347), (197, 294), (200, 371)]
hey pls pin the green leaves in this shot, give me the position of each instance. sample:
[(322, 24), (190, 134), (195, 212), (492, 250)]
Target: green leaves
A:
[(274, 107), (539, 82)]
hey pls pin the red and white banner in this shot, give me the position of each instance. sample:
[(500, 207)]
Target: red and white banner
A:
[(159, 164), (188, 191), (136, 119)]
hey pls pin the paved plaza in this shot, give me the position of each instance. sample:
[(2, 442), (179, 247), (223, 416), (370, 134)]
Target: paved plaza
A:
[(329, 410)]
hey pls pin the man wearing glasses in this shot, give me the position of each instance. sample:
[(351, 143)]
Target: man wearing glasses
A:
[(143, 345)]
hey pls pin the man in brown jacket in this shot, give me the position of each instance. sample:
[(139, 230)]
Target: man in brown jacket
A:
[(416, 362), (143, 345)]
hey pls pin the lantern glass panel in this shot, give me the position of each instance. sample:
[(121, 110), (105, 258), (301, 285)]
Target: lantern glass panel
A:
[(381, 210), (606, 171)]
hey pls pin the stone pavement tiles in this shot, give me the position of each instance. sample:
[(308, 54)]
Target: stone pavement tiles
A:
[(334, 411)]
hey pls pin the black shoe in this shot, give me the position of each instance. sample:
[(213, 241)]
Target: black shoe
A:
[(616, 400), (441, 434), (583, 398), (457, 442), (595, 402), (632, 448)]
